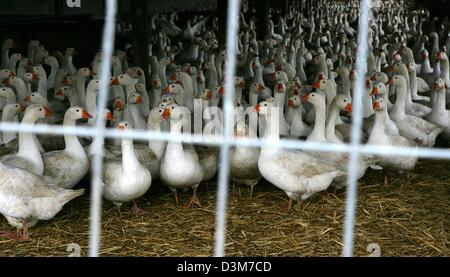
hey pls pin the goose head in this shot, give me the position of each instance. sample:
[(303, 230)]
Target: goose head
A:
[(118, 104), (201, 77), (36, 98), (257, 88), (380, 77), (75, 113), (280, 87), (36, 112), (294, 101), (264, 107), (8, 93), (11, 110), (85, 72), (314, 98), (71, 52), (439, 85), (378, 89), (342, 102), (238, 82), (441, 56), (167, 100), (9, 44), (192, 71), (135, 98), (173, 89), (5, 74), (124, 80), (397, 80), (64, 91), (156, 83), (140, 88), (124, 125), (206, 94), (378, 105), (324, 85)]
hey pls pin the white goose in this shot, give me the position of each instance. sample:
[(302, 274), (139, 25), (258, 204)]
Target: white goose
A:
[(67, 167), (28, 156), (410, 126), (180, 166), (297, 173), (27, 198), (125, 180)]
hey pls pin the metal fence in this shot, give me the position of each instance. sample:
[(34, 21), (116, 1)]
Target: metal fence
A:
[(354, 149)]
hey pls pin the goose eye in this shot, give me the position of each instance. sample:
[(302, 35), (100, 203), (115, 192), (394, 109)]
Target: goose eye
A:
[(160, 111), (345, 101), (265, 105), (312, 94), (77, 111), (40, 109), (173, 107), (121, 77)]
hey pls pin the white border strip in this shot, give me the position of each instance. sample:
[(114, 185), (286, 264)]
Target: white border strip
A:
[(351, 193), (224, 170)]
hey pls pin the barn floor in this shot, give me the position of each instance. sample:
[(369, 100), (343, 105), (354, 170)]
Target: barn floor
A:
[(410, 217)]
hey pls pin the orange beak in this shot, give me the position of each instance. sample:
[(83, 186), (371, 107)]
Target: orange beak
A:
[(166, 90), (253, 65), (110, 116), (305, 98), (138, 99), (261, 87), (209, 94), (65, 81), (34, 77), (11, 74), (173, 77), (166, 114), (391, 82), (316, 85), (242, 84), (121, 127), (92, 73), (59, 93), (436, 86), (290, 103), (349, 107), (221, 91), (48, 112), (115, 82), (27, 98), (374, 91), (376, 105), (258, 108), (118, 106), (368, 83), (373, 78), (21, 108), (139, 72), (272, 76), (390, 68), (280, 86), (6, 82), (86, 115)]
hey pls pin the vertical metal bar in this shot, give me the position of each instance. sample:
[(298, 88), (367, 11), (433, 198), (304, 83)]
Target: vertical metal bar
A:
[(96, 193), (222, 193), (351, 192)]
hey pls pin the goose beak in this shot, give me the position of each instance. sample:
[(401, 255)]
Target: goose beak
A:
[(85, 115), (48, 112), (34, 77), (173, 77), (166, 90), (261, 87), (110, 116), (118, 106), (6, 82), (11, 74), (376, 105), (316, 85), (258, 108), (115, 82), (391, 82), (59, 93), (21, 108), (121, 127), (348, 108), (305, 98), (290, 103), (92, 73), (138, 99), (27, 99), (166, 113), (221, 91), (374, 91), (139, 73)]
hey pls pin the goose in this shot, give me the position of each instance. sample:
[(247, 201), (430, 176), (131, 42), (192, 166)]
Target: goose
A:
[(41, 76), (23, 66), (410, 126), (13, 60), (156, 93), (279, 98), (28, 156), (379, 91), (28, 198), (68, 61), (145, 107), (180, 166), (80, 80), (67, 167), (298, 128), (68, 91), (414, 84), (339, 102), (244, 162), (18, 84), (126, 179), (379, 136), (54, 65), (6, 46), (439, 115), (298, 174), (9, 114), (186, 83)]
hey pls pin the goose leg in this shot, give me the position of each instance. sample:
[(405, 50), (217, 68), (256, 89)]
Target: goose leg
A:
[(299, 200), (194, 199), (25, 235), (286, 206), (175, 194), (136, 209), (251, 190), (386, 180)]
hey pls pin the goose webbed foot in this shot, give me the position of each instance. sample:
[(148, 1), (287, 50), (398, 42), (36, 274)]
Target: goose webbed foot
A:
[(194, 200), (12, 235)]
